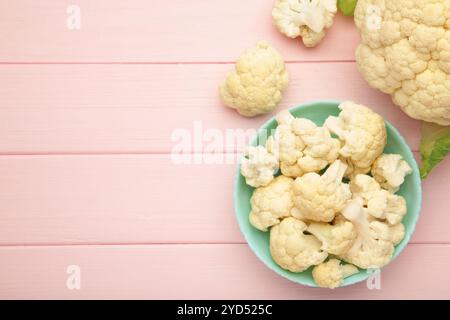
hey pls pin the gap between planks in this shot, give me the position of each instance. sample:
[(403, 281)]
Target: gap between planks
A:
[(160, 62), (162, 244)]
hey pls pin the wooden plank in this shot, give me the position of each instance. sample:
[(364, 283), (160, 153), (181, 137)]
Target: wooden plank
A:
[(171, 271), (136, 108), (154, 31), (143, 199)]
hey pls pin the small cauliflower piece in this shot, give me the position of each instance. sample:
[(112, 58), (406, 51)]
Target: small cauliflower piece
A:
[(271, 203), (259, 166), (397, 233), (289, 145), (256, 85), (387, 206), (364, 186), (305, 18), (331, 274), (336, 239), (302, 146), (319, 198), (390, 171), (374, 245), (320, 148), (363, 133), (292, 249), (381, 204)]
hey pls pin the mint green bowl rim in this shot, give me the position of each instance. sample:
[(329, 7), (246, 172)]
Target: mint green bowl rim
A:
[(361, 276)]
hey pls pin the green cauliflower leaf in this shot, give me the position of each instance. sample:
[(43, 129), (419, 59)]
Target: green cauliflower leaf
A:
[(434, 146), (347, 6)]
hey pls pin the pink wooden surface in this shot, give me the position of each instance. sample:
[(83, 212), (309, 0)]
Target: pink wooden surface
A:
[(153, 31), (220, 271), (135, 108), (86, 118), (143, 199)]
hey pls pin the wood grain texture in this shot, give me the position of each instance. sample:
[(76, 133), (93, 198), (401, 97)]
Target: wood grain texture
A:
[(136, 108), (155, 31), (86, 119), (215, 271), (143, 199)]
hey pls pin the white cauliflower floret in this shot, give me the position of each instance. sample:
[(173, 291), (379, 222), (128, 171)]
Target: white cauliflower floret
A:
[(306, 18), (331, 274), (293, 250), (380, 204), (363, 133), (319, 198), (336, 239), (390, 171), (397, 233), (364, 186), (302, 146), (256, 85), (259, 166), (387, 206), (271, 203), (320, 148), (287, 144), (374, 245), (405, 52)]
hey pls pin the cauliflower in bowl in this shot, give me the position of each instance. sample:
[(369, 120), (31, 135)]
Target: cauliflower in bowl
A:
[(325, 212)]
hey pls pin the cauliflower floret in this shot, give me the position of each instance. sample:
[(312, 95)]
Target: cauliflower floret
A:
[(387, 206), (364, 186), (380, 204), (331, 274), (405, 52), (287, 144), (302, 146), (363, 133), (390, 170), (256, 85), (271, 203), (305, 18), (336, 239), (291, 249), (319, 198), (320, 148), (259, 166), (397, 233), (374, 245)]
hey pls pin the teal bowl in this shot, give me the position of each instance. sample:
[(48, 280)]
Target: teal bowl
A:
[(318, 112)]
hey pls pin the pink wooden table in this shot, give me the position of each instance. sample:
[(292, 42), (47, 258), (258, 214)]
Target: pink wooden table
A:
[(86, 177)]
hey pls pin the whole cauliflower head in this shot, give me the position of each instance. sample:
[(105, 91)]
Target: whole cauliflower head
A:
[(259, 166), (271, 203), (302, 146), (305, 18), (332, 273), (390, 171), (319, 198), (381, 204), (405, 52), (292, 249), (256, 85), (363, 133), (374, 245), (336, 239)]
